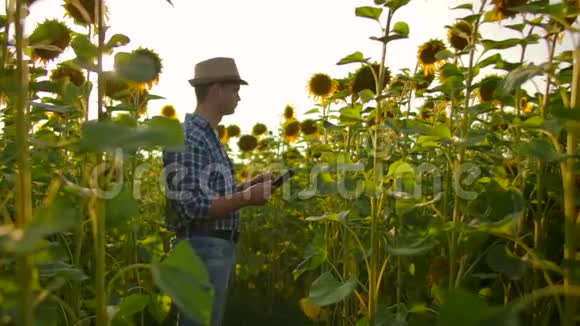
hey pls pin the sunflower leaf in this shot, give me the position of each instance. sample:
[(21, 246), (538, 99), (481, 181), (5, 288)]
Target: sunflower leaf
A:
[(369, 12), (401, 28), (467, 6), (396, 4), (500, 45), (352, 58), (116, 41)]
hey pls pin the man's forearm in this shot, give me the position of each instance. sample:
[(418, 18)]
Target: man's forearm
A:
[(227, 204)]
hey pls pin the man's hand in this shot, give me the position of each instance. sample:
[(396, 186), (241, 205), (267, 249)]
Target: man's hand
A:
[(263, 177), (260, 193)]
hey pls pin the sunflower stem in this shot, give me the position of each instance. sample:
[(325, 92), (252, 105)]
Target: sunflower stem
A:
[(25, 268), (459, 162), (377, 169)]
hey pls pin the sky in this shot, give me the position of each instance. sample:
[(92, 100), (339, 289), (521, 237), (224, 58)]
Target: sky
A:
[(277, 45)]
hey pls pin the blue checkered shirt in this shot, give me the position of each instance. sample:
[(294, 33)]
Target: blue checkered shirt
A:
[(197, 174)]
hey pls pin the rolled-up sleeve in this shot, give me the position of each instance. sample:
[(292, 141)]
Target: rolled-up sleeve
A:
[(186, 182)]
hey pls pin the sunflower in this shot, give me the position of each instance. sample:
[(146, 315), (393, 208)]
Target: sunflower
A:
[(501, 8), (168, 111), (289, 112), (487, 88), (291, 130), (426, 55), (458, 35), (423, 80), (264, 144), (247, 143), (85, 15), (364, 78), (525, 105), (233, 131), (49, 39), (321, 86), (115, 87), (259, 129), (308, 127), (222, 133), (67, 72), (139, 56)]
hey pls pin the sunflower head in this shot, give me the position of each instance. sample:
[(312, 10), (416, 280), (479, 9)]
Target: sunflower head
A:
[(309, 127), (458, 34), (426, 55), (115, 87), (153, 57), (525, 105), (68, 72), (264, 144), (49, 39), (247, 143), (487, 88), (234, 131), (291, 130), (364, 78), (84, 14), (288, 112), (259, 129), (501, 8), (423, 80), (168, 111), (321, 86), (222, 133)]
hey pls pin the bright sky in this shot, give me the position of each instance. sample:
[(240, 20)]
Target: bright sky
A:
[(277, 44)]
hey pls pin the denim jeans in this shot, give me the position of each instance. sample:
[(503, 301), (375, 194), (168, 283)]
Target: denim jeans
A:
[(219, 257)]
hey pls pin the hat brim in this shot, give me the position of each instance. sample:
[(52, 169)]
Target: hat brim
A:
[(197, 82)]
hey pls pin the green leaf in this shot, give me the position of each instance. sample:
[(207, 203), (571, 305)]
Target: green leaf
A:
[(61, 216), (540, 148), (444, 55), (467, 6), (116, 41), (389, 38), (351, 115), (394, 5), (564, 113), (366, 95), (468, 309), (502, 260), (400, 168), (441, 131), (52, 107), (401, 28), (58, 268), (131, 305), (327, 290), (489, 60), (83, 47), (105, 135), (368, 12), (500, 45), (410, 245), (517, 77), (183, 276), (533, 122), (352, 58), (121, 208)]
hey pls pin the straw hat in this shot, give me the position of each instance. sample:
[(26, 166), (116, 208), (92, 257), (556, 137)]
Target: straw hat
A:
[(219, 69)]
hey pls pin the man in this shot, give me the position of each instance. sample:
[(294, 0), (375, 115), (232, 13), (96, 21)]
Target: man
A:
[(200, 181)]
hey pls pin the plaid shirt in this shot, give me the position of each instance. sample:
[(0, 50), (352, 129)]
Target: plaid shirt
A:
[(193, 177)]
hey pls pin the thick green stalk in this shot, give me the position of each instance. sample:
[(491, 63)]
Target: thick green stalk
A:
[(98, 204), (24, 264), (568, 183), (377, 166), (459, 162)]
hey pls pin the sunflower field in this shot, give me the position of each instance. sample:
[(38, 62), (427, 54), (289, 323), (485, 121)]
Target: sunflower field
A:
[(442, 194)]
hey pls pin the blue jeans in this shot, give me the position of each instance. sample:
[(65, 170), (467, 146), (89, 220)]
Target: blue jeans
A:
[(219, 256)]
